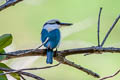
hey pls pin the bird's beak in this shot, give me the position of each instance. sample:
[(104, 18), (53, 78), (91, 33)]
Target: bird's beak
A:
[(66, 24)]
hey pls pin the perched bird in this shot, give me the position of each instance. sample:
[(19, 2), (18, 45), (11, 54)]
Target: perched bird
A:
[(50, 37)]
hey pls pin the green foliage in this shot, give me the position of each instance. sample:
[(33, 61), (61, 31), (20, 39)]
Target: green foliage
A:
[(15, 75), (5, 40), (2, 51), (3, 77)]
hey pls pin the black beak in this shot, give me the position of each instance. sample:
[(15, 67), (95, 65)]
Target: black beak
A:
[(66, 24)]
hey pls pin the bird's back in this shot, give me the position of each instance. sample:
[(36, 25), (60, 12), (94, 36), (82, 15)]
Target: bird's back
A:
[(54, 38)]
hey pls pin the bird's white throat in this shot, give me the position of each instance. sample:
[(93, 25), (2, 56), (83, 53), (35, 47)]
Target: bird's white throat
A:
[(50, 27)]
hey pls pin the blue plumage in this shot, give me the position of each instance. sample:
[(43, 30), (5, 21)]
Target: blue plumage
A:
[(49, 59), (53, 41), (50, 37), (54, 38)]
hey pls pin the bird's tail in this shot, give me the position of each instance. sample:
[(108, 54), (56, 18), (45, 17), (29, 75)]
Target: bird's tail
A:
[(49, 56)]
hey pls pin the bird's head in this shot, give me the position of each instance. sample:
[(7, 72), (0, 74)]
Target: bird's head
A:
[(57, 23)]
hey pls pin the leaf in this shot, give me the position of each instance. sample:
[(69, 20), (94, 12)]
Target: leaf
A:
[(2, 51), (15, 75), (5, 40), (3, 77)]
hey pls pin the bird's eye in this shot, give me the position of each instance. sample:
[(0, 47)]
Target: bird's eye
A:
[(57, 22)]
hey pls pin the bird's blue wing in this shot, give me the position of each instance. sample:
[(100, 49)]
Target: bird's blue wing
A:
[(54, 38), (44, 35)]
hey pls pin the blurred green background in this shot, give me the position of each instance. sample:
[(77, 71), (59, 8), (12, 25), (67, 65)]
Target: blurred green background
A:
[(25, 20)]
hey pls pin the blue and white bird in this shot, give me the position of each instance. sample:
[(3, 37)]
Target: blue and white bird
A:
[(50, 37)]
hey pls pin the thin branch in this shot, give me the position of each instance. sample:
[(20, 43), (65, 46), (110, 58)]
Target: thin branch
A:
[(89, 72), (90, 50), (46, 67), (9, 71), (26, 69), (31, 75), (22, 77), (43, 43), (9, 3), (99, 27), (40, 45), (113, 25), (110, 76), (23, 73)]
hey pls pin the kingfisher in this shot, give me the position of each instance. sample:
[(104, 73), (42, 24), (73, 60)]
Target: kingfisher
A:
[(50, 37)]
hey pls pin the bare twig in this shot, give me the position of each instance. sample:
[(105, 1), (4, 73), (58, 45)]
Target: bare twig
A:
[(31, 75), (9, 71), (110, 76), (22, 77), (9, 3), (21, 70), (99, 27), (23, 73), (46, 67), (90, 50), (89, 72), (26, 69), (41, 44), (113, 25)]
